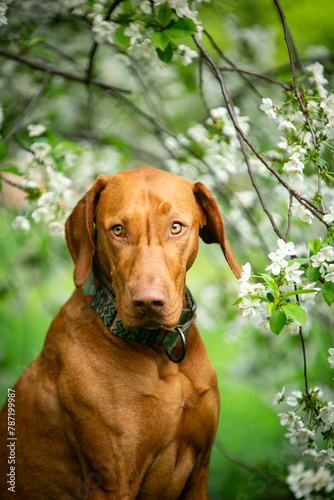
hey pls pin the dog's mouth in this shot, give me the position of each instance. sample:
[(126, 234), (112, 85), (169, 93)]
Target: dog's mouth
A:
[(149, 321)]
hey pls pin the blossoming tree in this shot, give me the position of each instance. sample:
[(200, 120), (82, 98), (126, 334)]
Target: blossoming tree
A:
[(107, 83)]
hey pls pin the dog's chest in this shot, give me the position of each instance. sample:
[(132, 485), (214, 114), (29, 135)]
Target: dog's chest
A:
[(172, 425)]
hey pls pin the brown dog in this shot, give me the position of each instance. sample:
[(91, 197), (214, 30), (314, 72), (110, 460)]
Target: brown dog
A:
[(117, 406)]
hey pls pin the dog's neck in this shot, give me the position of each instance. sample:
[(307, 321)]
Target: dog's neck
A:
[(103, 303)]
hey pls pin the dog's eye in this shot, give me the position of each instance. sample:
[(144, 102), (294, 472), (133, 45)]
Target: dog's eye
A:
[(176, 228), (118, 230)]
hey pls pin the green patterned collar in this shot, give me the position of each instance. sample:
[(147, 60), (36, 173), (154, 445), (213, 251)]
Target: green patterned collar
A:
[(104, 305)]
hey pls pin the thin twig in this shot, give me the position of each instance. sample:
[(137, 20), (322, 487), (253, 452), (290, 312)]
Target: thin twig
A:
[(223, 56), (257, 189), (241, 135), (257, 75), (5, 179), (289, 218), (293, 69), (250, 468), (54, 71), (30, 106), (201, 88)]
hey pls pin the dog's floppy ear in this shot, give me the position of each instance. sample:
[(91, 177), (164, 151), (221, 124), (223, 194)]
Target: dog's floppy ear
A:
[(212, 225), (79, 231)]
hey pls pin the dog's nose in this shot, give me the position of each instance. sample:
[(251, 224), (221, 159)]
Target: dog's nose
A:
[(149, 300)]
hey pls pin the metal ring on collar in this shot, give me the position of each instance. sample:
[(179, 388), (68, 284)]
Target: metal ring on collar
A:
[(184, 347)]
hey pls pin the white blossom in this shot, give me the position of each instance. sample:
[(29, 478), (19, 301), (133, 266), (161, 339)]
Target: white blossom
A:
[(303, 213), (36, 130), (187, 54), (133, 31), (278, 263), (304, 482), (331, 357), (58, 182), (2, 117), (279, 397), (286, 125), (328, 252), (325, 457), (329, 217), (21, 223), (292, 273), (330, 273), (317, 72), (290, 419), (323, 479), (3, 11), (319, 260), (247, 306), (251, 289), (181, 8), (144, 49), (283, 144), (104, 30), (217, 113), (57, 229), (299, 150), (293, 399), (277, 258), (326, 413), (45, 213), (41, 150), (309, 296), (246, 272), (47, 198), (294, 167), (291, 328), (268, 107)]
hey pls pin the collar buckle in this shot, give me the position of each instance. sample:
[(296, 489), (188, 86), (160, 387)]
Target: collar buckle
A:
[(184, 347)]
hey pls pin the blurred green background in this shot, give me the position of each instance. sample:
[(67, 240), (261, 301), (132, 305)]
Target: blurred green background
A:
[(251, 455)]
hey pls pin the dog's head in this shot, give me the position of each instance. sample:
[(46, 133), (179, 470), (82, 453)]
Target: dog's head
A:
[(139, 231)]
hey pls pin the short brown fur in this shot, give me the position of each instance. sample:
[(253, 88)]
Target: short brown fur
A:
[(105, 418)]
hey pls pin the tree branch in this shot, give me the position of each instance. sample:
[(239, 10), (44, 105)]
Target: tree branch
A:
[(257, 75), (30, 106), (241, 135), (222, 55), (293, 69), (65, 74)]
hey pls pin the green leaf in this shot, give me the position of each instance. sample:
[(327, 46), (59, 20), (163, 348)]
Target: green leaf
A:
[(127, 6), (328, 292), (302, 261), (297, 292), (271, 282), (35, 41), (165, 55), (121, 38), (295, 312), (277, 322), (10, 167), (270, 297), (3, 150), (67, 146), (253, 297), (313, 273), (182, 28), (314, 246), (322, 163), (44, 52), (165, 14), (161, 39), (272, 306)]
